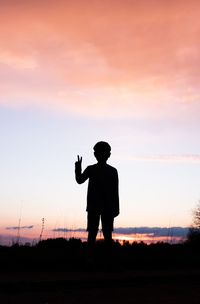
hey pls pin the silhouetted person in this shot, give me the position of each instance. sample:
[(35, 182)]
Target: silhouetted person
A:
[(102, 196)]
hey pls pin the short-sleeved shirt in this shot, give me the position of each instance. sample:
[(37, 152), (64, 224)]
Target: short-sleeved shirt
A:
[(102, 195)]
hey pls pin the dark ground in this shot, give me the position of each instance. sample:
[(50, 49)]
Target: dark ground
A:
[(58, 272), (164, 287)]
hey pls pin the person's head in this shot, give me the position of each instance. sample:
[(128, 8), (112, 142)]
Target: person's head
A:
[(102, 151)]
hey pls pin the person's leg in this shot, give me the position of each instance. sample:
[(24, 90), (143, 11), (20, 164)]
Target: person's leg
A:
[(92, 239), (107, 237), (107, 228), (92, 228)]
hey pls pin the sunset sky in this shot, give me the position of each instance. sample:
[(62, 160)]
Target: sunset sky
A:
[(76, 72)]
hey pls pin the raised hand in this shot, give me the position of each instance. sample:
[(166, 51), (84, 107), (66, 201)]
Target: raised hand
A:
[(78, 163)]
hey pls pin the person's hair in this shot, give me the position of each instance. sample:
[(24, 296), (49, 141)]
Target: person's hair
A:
[(102, 146)]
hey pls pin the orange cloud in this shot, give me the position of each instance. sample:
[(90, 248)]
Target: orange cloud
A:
[(18, 62), (101, 57)]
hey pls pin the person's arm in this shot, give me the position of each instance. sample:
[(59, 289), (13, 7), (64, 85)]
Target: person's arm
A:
[(116, 208), (80, 177)]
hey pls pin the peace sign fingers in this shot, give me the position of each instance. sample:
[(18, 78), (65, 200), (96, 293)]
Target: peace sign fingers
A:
[(79, 159), (78, 163)]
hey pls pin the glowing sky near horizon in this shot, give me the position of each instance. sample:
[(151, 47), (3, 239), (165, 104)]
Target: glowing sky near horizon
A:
[(75, 72)]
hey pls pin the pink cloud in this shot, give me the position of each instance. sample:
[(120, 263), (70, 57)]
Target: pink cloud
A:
[(191, 158), (101, 58)]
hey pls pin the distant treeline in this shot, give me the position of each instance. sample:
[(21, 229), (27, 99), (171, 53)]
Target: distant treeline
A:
[(62, 255)]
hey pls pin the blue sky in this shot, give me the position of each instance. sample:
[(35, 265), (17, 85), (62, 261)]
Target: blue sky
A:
[(38, 152)]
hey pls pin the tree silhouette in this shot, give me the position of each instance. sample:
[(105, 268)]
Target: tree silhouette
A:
[(196, 216), (194, 231)]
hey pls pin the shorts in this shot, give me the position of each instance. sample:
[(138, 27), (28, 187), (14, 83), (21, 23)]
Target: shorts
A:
[(93, 219)]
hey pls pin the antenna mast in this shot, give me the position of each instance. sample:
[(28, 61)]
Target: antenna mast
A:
[(19, 226), (42, 229), (18, 230)]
